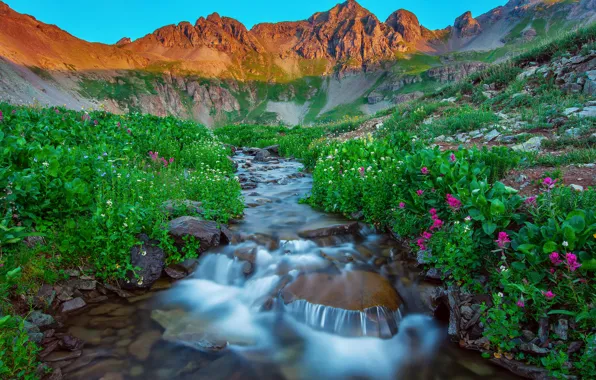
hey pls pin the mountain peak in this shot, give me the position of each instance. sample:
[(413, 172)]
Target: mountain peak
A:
[(467, 26), (405, 23), (123, 41)]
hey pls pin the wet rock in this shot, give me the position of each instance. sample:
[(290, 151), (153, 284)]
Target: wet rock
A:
[(528, 336), (273, 149), (103, 309), (73, 305), (423, 257), (207, 232), (534, 349), (355, 290), (141, 347), (70, 343), (40, 319), (62, 355), (65, 293), (176, 271), (55, 375), (119, 322), (561, 328), (45, 296), (99, 369), (182, 327), (90, 336), (335, 230), (262, 155), (150, 260), (190, 265), (182, 207), (246, 253), (33, 332), (467, 312), (118, 291)]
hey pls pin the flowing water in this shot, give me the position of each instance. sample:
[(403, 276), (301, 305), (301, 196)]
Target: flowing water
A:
[(290, 299)]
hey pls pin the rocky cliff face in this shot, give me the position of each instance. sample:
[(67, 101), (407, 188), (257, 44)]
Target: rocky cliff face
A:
[(467, 26), (455, 72)]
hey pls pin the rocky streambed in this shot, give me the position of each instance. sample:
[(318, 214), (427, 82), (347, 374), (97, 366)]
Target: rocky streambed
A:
[(286, 292)]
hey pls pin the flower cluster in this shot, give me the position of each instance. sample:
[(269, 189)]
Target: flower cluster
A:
[(549, 183), (155, 158), (502, 239), (1, 116), (437, 223), (454, 203), (424, 170), (570, 261)]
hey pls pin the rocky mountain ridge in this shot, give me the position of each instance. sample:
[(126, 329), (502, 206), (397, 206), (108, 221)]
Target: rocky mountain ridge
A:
[(344, 61)]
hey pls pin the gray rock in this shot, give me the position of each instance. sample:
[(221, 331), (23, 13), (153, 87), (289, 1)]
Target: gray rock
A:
[(490, 136), (434, 274), (207, 232), (423, 257), (45, 296), (573, 132), (532, 145), (33, 332), (574, 347), (40, 319), (449, 100), (587, 112), (262, 155), (534, 349), (73, 305), (149, 258), (570, 111), (577, 187), (467, 312), (528, 336), (334, 230), (273, 149), (561, 328), (507, 139)]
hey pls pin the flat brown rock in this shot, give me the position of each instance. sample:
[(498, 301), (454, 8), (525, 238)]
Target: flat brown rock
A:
[(357, 290)]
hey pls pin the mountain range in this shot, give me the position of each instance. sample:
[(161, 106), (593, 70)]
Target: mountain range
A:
[(344, 61)]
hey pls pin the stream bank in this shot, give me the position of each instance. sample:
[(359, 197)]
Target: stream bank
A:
[(292, 293)]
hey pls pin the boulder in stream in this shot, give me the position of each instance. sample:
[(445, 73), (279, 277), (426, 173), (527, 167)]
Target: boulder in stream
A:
[(207, 232), (334, 230)]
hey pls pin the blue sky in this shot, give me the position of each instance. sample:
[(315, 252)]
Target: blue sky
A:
[(109, 20)]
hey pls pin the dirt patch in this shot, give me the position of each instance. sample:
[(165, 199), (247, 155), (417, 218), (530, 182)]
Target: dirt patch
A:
[(529, 181)]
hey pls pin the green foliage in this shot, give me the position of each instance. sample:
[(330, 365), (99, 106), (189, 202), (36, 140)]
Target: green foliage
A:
[(91, 182), (18, 355), (502, 322)]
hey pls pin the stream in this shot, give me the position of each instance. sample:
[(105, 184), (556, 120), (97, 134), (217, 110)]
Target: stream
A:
[(298, 294)]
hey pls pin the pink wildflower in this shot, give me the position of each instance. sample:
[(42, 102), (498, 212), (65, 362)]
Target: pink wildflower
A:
[(1, 116), (171, 160), (56, 110), (419, 192), (438, 223), (572, 263), (432, 211), (452, 157), (552, 270), (118, 124), (421, 245), (554, 258), (424, 170), (426, 235), (361, 170), (550, 295), (14, 112), (402, 205), (503, 239), (128, 131), (531, 201), (453, 202), (468, 218), (521, 303), (549, 183), (95, 122)]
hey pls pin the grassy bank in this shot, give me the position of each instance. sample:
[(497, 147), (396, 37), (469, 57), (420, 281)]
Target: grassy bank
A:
[(86, 185)]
